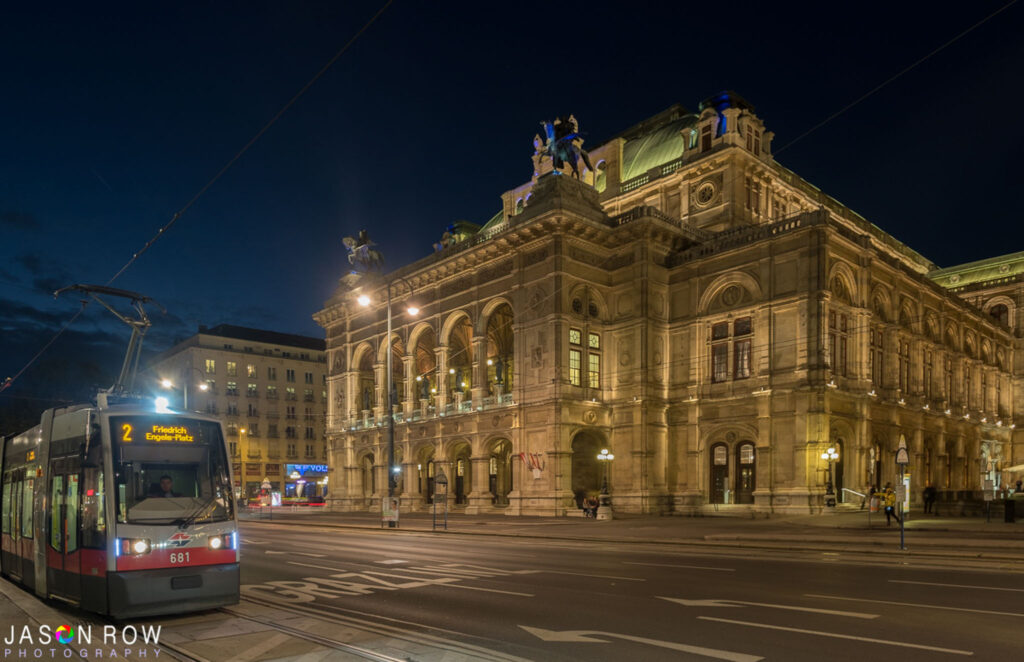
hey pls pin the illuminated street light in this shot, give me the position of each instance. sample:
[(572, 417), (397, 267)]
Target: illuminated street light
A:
[(830, 456), (604, 510), (412, 309)]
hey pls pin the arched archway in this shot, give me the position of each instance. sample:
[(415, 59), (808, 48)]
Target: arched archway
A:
[(368, 476), (500, 349), (499, 470), (586, 469), (425, 473), (460, 356), (366, 385), (425, 364), (460, 482)]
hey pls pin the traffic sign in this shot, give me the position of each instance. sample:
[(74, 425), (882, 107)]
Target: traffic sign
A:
[(902, 456)]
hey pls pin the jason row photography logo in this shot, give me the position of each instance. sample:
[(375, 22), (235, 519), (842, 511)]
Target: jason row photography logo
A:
[(67, 641)]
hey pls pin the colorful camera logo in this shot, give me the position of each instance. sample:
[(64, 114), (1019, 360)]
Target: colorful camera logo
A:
[(65, 634)]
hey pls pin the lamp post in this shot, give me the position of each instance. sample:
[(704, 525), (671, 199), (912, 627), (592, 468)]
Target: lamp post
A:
[(604, 509), (364, 300), (830, 456)]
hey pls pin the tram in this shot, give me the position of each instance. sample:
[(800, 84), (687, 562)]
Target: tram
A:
[(121, 509)]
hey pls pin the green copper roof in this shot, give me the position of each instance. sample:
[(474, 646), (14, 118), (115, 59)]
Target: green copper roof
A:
[(497, 218), (993, 268), (655, 148)]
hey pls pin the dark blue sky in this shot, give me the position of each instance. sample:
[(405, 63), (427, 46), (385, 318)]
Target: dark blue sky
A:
[(113, 116)]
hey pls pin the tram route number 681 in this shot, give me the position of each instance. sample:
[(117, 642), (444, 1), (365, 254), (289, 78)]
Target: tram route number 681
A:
[(179, 557)]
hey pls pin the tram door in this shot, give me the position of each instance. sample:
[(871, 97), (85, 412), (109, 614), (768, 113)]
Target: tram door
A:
[(63, 565)]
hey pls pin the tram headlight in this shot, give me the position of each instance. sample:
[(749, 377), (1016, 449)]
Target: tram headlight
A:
[(225, 541), (134, 546)]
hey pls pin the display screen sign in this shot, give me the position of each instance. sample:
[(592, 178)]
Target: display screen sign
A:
[(162, 430), (306, 469)]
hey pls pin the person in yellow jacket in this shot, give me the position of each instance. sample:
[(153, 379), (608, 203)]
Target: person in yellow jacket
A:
[(890, 505)]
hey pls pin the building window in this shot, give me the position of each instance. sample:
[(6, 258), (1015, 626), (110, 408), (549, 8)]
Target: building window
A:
[(290, 433), (594, 341), (250, 391), (211, 366), (271, 393), (289, 375), (948, 380), (904, 354), (309, 433), (309, 451), (291, 451), (252, 410), (575, 359), (307, 395), (967, 398), (876, 357), (837, 339), (1000, 313), (289, 393), (232, 388), (232, 369), (289, 411), (254, 428), (309, 378), (753, 140), (272, 430), (705, 138), (250, 371), (754, 196), (211, 386), (575, 337), (233, 445), (232, 409), (272, 373), (594, 371), (742, 342)]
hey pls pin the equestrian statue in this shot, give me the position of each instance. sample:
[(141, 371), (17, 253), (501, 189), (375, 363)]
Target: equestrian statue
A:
[(563, 143)]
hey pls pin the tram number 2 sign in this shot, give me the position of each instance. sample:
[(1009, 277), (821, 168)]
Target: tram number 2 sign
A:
[(179, 557)]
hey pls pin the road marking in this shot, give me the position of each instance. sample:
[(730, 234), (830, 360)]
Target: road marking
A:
[(872, 640), (316, 556), (488, 590), (580, 636), (391, 561), (312, 565), (583, 574), (911, 604), (246, 541), (669, 565), (984, 588), (732, 603)]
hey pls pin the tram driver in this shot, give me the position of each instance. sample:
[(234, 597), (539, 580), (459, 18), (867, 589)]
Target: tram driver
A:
[(164, 489)]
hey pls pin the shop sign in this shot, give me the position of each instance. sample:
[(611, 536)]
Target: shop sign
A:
[(306, 469)]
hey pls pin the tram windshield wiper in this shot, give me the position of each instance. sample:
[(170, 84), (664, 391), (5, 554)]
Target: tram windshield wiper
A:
[(184, 522)]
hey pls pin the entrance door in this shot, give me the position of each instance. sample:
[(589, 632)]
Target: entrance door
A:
[(63, 564), (719, 472), (745, 474)]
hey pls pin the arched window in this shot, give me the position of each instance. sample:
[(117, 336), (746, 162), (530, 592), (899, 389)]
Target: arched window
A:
[(745, 475), (1000, 313), (719, 472)]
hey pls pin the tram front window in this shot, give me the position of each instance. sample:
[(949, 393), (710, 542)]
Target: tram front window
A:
[(170, 470)]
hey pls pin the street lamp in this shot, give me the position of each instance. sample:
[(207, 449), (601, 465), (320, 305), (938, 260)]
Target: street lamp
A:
[(168, 384), (830, 456), (364, 300), (604, 510)]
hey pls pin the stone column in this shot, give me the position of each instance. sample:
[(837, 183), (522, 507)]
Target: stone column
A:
[(441, 378), (478, 371), (479, 497), (409, 398), (379, 396)]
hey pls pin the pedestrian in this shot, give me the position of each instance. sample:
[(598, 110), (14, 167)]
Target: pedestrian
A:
[(929, 497), (592, 505), (890, 505), (1020, 483)]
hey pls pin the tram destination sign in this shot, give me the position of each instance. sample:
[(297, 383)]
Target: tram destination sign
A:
[(135, 430)]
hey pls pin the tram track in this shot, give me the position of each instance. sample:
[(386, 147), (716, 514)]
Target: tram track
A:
[(385, 626)]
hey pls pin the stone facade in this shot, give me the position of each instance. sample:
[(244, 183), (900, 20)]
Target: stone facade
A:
[(698, 310)]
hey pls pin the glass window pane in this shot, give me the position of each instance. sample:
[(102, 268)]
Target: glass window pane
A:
[(71, 515), (595, 371), (26, 508), (721, 456), (56, 525), (6, 505), (575, 364), (595, 341), (747, 454), (575, 336), (720, 362), (719, 331), (742, 326)]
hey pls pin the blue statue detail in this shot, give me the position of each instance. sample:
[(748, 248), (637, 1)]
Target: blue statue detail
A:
[(361, 253), (563, 143)]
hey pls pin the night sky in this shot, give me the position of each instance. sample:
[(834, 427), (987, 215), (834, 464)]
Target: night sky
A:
[(114, 116)]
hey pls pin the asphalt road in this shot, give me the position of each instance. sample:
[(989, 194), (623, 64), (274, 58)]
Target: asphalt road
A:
[(504, 598)]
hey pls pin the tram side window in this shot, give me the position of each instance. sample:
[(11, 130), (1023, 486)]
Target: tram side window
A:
[(71, 514), (94, 524), (7, 503), (56, 494), (26, 507)]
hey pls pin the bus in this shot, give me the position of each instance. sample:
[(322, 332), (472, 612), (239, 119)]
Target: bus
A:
[(121, 508)]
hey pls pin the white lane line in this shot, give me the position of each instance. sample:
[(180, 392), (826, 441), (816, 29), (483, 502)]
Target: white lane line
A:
[(254, 542), (984, 588), (911, 604), (583, 574), (316, 556), (488, 590), (670, 565), (312, 565), (391, 561), (952, 651), (732, 603)]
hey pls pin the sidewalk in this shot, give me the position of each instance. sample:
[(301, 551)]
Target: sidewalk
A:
[(850, 530)]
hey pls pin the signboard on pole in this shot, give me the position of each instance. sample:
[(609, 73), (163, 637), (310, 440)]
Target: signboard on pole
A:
[(389, 510), (902, 456)]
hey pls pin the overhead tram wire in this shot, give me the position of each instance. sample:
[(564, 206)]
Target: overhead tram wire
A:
[(162, 231), (894, 77)]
